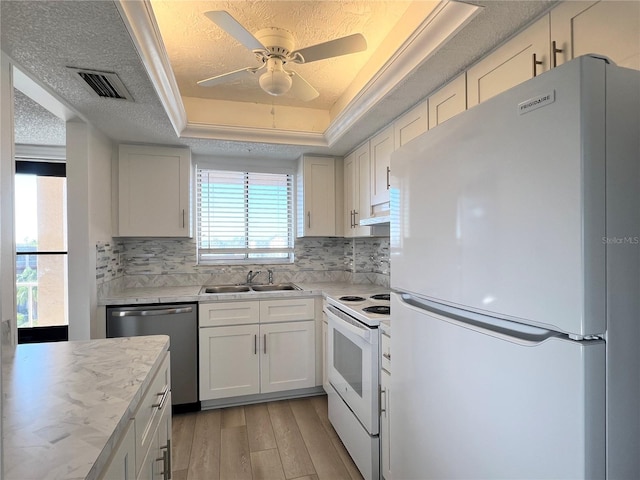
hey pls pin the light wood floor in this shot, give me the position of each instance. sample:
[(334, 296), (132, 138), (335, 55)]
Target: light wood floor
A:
[(288, 439)]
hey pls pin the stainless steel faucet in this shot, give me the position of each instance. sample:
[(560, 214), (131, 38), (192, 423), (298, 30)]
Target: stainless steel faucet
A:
[(251, 276)]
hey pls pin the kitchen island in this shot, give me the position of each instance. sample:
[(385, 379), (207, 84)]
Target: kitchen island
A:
[(67, 404)]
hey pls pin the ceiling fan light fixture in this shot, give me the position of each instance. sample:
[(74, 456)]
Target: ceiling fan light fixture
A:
[(275, 81)]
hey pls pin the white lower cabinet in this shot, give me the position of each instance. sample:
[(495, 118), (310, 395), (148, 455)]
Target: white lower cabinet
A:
[(261, 356), (122, 464), (325, 364), (144, 449)]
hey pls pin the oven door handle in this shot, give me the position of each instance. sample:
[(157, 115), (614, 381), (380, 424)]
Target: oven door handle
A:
[(344, 322)]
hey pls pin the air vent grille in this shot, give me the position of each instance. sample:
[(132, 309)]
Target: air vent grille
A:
[(103, 84)]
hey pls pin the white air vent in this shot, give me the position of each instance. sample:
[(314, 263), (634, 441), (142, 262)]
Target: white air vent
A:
[(103, 84)]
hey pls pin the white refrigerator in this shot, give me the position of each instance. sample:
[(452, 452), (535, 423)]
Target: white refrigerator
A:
[(515, 253)]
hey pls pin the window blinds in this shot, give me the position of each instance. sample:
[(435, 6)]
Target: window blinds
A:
[(244, 216)]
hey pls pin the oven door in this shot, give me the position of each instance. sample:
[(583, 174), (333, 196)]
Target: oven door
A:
[(352, 360)]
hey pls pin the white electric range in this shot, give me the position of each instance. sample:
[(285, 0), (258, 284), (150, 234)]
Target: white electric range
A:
[(353, 364)]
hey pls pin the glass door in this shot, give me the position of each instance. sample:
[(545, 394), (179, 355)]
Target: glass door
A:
[(41, 251)]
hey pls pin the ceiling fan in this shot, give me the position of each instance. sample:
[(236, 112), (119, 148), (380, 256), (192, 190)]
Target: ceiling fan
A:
[(274, 48)]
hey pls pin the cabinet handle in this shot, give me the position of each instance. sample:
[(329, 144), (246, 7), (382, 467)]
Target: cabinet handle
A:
[(389, 168), (351, 214), (265, 343), (255, 344), (387, 356), (164, 394), (555, 50), (183, 218), (536, 62), (165, 465), (355, 222), (168, 452), (309, 219)]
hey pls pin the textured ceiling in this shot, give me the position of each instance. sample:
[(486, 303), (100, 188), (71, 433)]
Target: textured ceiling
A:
[(199, 49), (35, 125), (45, 36)]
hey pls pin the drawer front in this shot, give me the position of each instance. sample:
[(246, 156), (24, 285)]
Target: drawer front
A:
[(148, 414), (287, 310), (385, 347), (228, 313)]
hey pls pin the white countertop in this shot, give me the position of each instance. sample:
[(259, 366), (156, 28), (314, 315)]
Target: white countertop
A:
[(190, 293), (65, 404)]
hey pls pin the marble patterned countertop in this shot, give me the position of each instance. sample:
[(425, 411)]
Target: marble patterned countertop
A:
[(66, 404), (191, 293)]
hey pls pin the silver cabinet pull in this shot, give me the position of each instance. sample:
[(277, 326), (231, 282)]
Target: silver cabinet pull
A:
[(309, 219), (389, 173), (355, 222), (183, 218), (265, 343), (383, 405), (164, 393), (555, 50), (351, 213), (166, 475), (536, 62), (167, 468), (255, 344)]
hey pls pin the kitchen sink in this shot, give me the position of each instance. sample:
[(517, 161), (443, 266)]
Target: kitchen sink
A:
[(274, 287), (226, 289)]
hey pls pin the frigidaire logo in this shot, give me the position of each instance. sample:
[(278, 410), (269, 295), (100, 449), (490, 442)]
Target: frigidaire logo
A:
[(536, 102)]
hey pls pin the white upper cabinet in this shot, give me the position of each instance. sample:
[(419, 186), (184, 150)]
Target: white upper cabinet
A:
[(356, 192), (381, 147), (153, 191), (316, 197), (610, 28), (449, 101), (521, 58), (410, 125)]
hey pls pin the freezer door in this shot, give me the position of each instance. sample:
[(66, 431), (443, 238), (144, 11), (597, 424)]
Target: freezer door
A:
[(503, 211), (469, 402)]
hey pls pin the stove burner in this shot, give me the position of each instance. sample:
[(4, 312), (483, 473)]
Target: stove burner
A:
[(379, 309), (351, 298), (381, 296)]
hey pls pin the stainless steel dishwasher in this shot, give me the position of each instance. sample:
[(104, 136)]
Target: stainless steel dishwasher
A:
[(180, 323)]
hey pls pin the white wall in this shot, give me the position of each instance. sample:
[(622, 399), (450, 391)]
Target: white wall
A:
[(89, 158)]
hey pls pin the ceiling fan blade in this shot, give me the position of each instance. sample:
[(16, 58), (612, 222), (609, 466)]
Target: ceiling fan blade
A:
[(301, 89), (230, 25), (228, 77), (333, 48)]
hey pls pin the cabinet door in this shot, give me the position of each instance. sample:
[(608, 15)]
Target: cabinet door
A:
[(317, 214), (350, 193), (122, 464), (410, 125), (153, 191), (288, 356), (449, 101), (385, 424), (609, 28), (287, 310), (229, 361), (382, 147), (511, 64), (219, 314)]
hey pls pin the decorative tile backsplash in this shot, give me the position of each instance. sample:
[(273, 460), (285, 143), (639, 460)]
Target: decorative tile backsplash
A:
[(130, 263)]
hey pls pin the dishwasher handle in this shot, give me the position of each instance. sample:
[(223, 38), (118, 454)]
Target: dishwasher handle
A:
[(150, 313)]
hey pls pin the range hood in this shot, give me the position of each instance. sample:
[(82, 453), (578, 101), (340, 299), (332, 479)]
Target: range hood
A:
[(377, 220)]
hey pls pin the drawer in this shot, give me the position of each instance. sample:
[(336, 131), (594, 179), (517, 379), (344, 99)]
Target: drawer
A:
[(385, 348), (287, 310), (148, 414), (228, 313)]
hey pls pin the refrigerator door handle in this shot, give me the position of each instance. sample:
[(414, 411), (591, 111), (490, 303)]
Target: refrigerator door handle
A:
[(507, 330)]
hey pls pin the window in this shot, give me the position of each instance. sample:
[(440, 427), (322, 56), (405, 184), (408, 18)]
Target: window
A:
[(41, 250), (244, 217)]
